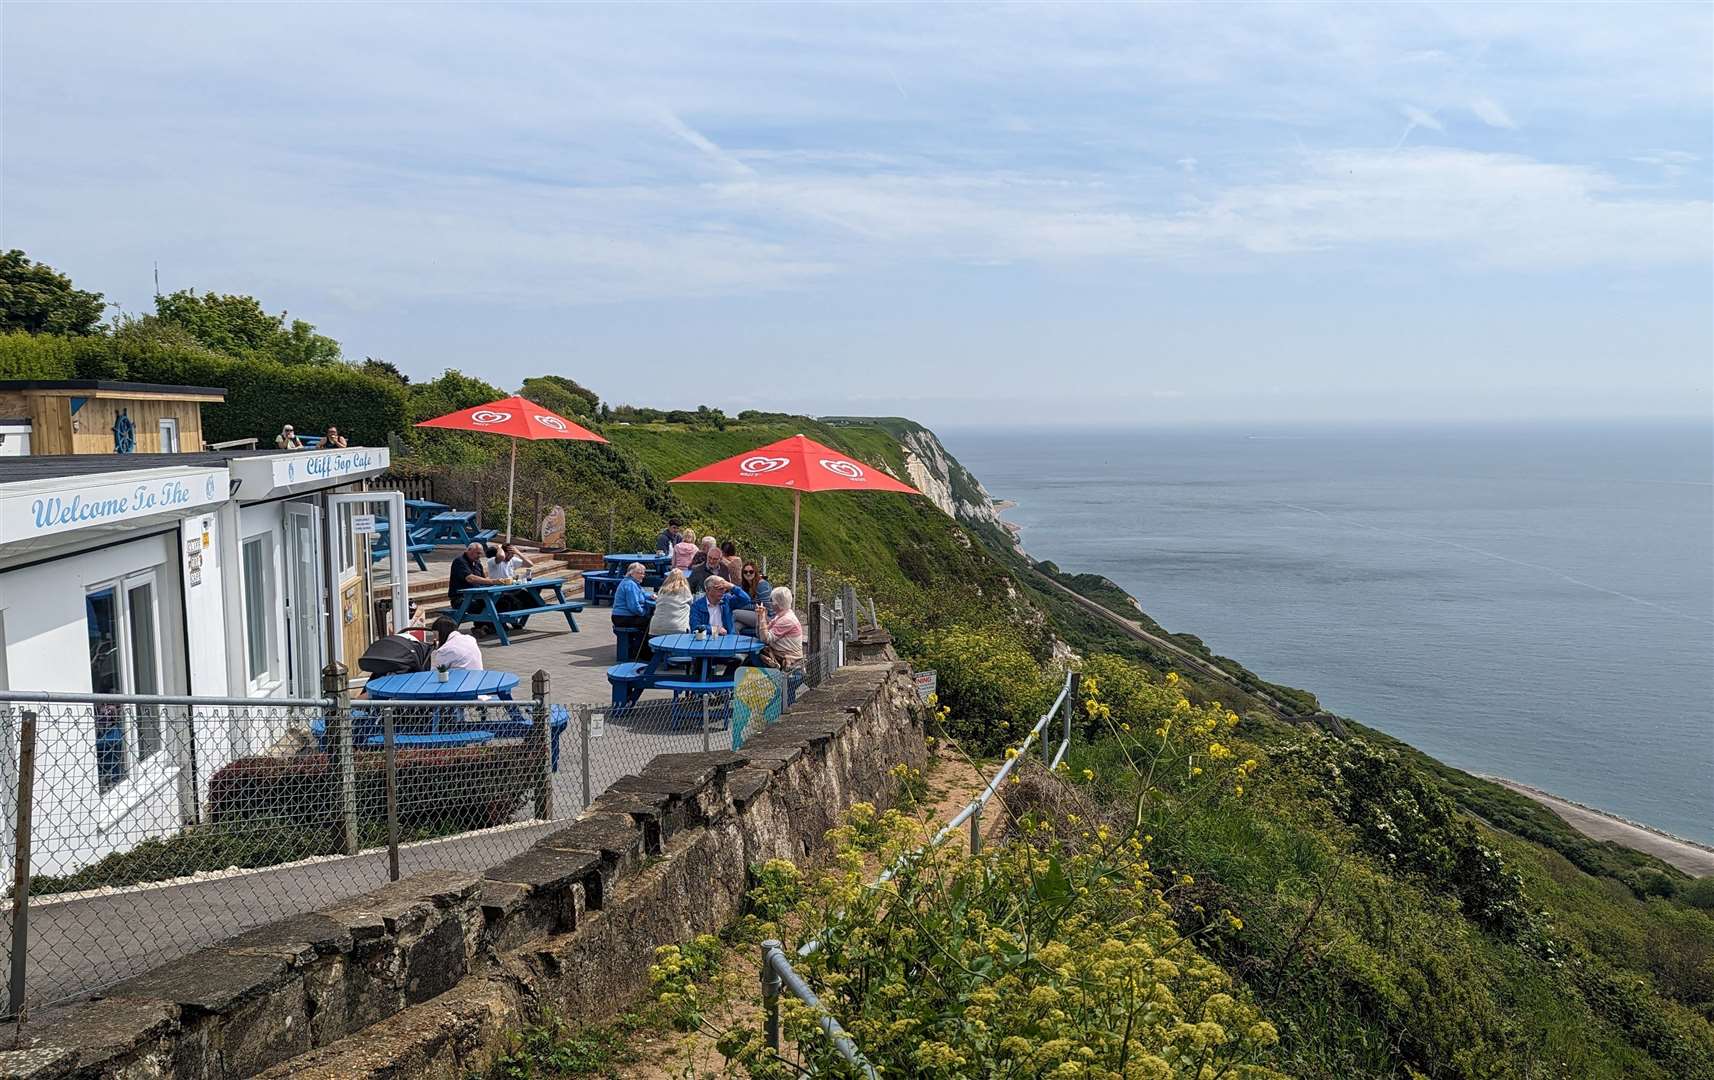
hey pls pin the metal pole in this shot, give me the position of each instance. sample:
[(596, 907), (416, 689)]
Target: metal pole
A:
[(1070, 705), (583, 720), (390, 754), (771, 994), (705, 743), (976, 831), (511, 486), (544, 732), (797, 507), (874, 619), (337, 688), (21, 864)]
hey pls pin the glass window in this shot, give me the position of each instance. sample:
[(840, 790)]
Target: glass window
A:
[(145, 665), (106, 676), (347, 540), (259, 608)]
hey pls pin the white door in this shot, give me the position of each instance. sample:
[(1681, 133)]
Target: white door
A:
[(137, 751), (304, 611), (169, 436), (388, 509)]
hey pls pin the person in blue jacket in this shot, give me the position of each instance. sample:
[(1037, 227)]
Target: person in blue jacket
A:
[(632, 608), (712, 611)]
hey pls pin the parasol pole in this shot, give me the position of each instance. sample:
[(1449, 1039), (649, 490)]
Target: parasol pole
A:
[(797, 504), (511, 483)]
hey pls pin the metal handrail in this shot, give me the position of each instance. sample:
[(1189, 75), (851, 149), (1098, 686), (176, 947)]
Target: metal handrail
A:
[(777, 973), (973, 811)]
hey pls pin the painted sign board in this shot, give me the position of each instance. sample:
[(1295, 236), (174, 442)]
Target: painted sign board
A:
[(553, 528), (50, 508)]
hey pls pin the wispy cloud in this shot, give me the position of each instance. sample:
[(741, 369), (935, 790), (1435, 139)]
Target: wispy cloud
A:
[(1492, 113)]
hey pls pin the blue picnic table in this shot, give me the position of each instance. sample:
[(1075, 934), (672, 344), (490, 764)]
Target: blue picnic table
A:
[(629, 680), (420, 510), (416, 544), (456, 527), (446, 700), (654, 562), (476, 604)]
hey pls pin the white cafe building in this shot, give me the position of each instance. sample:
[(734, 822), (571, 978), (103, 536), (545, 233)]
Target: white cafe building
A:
[(210, 573)]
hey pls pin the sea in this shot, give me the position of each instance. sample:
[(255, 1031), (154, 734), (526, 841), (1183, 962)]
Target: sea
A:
[(1533, 601)]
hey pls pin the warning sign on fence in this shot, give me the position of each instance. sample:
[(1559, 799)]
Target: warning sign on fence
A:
[(927, 682)]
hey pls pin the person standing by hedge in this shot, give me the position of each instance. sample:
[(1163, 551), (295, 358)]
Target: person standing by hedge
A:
[(288, 439), (333, 440)]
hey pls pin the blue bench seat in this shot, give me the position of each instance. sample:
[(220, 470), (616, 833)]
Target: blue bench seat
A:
[(434, 739)]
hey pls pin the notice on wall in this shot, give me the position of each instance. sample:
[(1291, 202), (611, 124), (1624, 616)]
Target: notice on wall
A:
[(363, 524), (927, 682), (553, 528)]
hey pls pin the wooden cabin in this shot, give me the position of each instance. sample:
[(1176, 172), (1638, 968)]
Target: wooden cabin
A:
[(88, 416)]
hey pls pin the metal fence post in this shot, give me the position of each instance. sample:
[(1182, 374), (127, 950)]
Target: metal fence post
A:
[(390, 756), (544, 732), (1071, 706), (588, 729), (336, 686), (706, 746), (21, 865), (771, 994)]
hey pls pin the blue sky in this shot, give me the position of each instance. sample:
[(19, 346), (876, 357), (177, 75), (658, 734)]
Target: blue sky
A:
[(1009, 214)]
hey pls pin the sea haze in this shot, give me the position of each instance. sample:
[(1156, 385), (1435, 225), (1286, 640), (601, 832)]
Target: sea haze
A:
[(1532, 601)]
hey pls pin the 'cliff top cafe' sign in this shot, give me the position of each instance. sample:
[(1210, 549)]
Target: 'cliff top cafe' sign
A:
[(269, 475), (50, 507)]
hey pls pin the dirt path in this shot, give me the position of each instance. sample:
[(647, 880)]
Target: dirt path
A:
[(952, 781)]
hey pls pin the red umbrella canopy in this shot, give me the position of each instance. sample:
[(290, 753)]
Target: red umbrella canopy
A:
[(518, 417), (799, 463)]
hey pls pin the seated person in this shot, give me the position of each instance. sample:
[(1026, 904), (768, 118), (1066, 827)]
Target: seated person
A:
[(457, 649), (751, 581), (467, 571), (684, 552), (288, 439), (333, 440), (508, 563), (712, 611), (631, 609), (672, 606), (668, 539), (708, 556), (731, 566), (781, 633)]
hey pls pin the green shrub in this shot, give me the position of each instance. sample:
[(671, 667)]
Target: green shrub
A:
[(995, 689), (37, 356), (1699, 893)]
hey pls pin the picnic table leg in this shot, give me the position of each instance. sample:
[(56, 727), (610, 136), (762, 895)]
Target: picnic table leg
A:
[(493, 612)]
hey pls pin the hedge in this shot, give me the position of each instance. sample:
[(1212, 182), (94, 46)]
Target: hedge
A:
[(261, 396)]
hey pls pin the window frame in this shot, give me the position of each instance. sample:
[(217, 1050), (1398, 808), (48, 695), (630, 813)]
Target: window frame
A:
[(273, 673), (135, 770)]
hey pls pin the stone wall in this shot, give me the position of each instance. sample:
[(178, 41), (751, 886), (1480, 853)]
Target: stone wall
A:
[(425, 976)]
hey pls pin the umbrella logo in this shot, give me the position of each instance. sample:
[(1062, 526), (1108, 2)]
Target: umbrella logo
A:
[(489, 416), (839, 467), (550, 421), (756, 466)]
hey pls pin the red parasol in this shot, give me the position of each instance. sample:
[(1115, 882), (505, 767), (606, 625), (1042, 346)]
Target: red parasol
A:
[(801, 464), (520, 418)]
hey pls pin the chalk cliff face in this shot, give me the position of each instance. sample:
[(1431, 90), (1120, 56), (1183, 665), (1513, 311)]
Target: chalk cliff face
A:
[(938, 475)]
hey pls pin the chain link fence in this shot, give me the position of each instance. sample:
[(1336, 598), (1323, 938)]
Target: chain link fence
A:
[(140, 828)]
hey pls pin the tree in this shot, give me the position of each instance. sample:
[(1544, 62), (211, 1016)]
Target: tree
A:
[(562, 395), (238, 326), (385, 369), (36, 298)]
